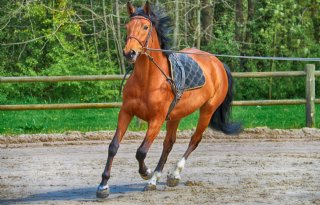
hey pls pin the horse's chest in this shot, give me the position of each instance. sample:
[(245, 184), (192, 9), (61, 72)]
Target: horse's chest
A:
[(147, 103), (146, 100)]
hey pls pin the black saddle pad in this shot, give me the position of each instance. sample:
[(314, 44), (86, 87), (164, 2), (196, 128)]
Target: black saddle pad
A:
[(185, 72)]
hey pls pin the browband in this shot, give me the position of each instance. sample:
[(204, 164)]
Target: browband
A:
[(145, 45)]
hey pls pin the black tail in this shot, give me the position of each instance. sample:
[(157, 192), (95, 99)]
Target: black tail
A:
[(220, 120)]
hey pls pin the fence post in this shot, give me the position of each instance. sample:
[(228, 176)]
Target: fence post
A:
[(310, 95)]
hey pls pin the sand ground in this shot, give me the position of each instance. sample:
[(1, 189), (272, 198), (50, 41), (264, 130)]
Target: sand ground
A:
[(260, 166)]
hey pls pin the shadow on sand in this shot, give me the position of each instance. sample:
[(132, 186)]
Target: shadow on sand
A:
[(80, 194)]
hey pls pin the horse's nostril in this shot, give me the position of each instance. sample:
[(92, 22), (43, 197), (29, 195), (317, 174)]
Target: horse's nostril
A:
[(132, 53)]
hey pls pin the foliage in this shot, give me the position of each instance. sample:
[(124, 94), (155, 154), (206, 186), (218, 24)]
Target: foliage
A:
[(82, 38), (279, 28), (58, 46)]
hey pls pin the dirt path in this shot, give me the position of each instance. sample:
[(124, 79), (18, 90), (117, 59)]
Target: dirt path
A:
[(228, 171)]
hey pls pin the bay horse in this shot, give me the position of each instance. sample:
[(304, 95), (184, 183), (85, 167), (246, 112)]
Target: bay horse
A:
[(148, 95)]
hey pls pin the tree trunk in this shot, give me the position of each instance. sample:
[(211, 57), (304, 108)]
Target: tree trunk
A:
[(239, 29), (107, 29), (186, 26), (123, 70), (207, 20), (198, 30), (176, 25), (250, 18), (245, 48), (315, 7), (94, 31), (239, 21), (116, 41)]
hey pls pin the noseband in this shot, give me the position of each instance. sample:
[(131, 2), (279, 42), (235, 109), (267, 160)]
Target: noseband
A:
[(145, 51), (143, 44)]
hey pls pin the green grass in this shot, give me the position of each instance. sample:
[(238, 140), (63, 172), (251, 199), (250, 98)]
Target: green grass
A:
[(57, 121), (284, 117)]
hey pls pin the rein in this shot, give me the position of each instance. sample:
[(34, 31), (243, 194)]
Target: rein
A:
[(235, 56), (146, 48), (177, 94)]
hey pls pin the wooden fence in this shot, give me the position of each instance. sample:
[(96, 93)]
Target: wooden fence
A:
[(309, 101)]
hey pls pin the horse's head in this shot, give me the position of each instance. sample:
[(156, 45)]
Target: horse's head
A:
[(139, 31)]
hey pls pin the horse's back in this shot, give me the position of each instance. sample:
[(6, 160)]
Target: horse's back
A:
[(213, 68), (215, 87)]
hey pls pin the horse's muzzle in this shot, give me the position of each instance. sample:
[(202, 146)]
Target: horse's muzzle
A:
[(131, 55)]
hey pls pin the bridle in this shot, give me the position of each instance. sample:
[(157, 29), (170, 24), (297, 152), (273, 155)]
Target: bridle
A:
[(143, 44), (145, 51)]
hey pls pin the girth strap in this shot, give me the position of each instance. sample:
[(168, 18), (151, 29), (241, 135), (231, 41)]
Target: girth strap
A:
[(177, 92)]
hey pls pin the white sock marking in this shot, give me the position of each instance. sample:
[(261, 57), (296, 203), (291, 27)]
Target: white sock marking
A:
[(148, 171), (179, 167), (155, 178), (103, 187)]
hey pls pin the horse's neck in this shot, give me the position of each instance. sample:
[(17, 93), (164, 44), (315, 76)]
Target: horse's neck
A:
[(146, 71)]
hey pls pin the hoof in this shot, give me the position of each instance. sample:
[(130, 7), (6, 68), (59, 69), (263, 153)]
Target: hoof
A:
[(150, 187), (147, 175), (172, 181), (102, 193)]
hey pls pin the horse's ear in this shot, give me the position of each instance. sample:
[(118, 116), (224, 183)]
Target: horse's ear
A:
[(147, 9), (130, 8)]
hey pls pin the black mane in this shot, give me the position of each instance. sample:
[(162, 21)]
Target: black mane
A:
[(161, 21)]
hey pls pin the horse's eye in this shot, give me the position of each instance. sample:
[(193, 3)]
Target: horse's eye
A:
[(145, 27)]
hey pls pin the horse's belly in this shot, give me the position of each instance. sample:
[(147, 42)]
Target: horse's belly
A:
[(188, 104)]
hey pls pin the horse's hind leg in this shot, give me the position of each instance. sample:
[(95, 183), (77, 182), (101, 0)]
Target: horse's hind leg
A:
[(168, 142), (206, 112)]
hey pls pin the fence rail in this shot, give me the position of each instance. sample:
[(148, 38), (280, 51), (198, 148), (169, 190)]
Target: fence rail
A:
[(118, 104), (47, 79), (309, 73)]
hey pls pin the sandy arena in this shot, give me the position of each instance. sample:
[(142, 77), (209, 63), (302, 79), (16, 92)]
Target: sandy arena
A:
[(260, 166)]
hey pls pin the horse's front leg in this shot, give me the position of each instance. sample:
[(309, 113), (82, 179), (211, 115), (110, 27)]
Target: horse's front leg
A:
[(123, 122), (153, 130), (168, 142)]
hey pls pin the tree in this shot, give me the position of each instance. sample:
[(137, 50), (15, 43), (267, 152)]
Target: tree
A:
[(176, 24), (315, 16), (123, 70), (207, 20), (239, 24), (86, 37), (198, 27)]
